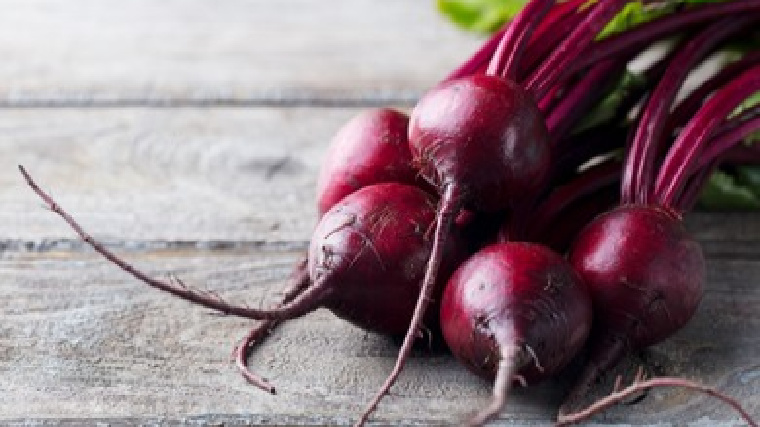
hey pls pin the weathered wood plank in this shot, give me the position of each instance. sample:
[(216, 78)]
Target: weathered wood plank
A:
[(80, 340), (222, 52), (166, 174), (220, 175)]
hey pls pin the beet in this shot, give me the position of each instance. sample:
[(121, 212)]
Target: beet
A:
[(515, 310), (371, 148), (371, 249), (644, 271)]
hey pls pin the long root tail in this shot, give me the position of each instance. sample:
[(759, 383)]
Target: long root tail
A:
[(297, 283), (304, 303), (641, 384)]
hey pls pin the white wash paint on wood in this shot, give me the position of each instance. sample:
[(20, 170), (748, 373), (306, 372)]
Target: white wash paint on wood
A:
[(59, 52)]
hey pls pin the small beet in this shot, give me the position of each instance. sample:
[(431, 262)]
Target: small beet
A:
[(371, 148), (373, 247), (514, 311)]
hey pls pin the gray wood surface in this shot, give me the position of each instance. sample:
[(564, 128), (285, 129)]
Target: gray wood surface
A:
[(216, 186), (222, 52)]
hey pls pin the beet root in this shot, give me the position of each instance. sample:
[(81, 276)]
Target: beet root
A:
[(514, 311), (373, 247), (371, 148), (484, 135), (645, 274), (482, 142)]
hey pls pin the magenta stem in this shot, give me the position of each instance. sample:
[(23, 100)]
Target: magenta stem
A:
[(553, 68), (581, 97), (689, 105), (691, 141), (480, 59), (587, 183), (736, 130), (637, 182), (505, 61), (650, 32), (693, 188), (561, 20)]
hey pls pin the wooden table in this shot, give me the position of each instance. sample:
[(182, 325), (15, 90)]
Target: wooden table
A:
[(187, 135)]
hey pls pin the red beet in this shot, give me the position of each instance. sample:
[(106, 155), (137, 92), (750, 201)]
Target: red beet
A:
[(369, 253), (645, 272), (371, 148), (514, 310)]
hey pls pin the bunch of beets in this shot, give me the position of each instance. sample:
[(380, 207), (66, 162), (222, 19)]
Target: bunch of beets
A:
[(486, 216)]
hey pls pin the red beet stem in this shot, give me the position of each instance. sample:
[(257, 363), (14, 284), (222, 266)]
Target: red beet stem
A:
[(587, 183), (731, 133), (742, 155), (690, 105), (686, 149), (544, 38), (480, 58), (554, 66), (297, 283), (638, 174), (560, 21), (692, 190), (447, 212), (637, 38), (506, 60), (580, 98), (304, 303)]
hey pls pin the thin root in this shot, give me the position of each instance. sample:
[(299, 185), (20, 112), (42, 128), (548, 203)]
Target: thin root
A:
[(174, 285), (299, 281), (641, 384)]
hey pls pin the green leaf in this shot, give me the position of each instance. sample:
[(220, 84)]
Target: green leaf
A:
[(483, 16), (607, 108), (634, 14), (724, 192), (749, 176)]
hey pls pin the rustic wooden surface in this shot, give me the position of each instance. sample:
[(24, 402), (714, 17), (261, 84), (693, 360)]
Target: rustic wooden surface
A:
[(187, 135)]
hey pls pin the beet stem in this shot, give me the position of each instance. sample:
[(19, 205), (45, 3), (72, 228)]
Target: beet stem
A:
[(481, 57), (298, 282), (449, 208), (687, 107), (553, 68), (506, 60), (580, 98), (640, 385), (678, 164), (307, 301), (693, 189), (585, 184), (503, 382), (560, 20), (732, 132), (650, 32), (638, 172)]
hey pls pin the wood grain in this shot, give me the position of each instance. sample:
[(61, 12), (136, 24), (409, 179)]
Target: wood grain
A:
[(209, 176), (81, 340), (209, 173), (229, 52)]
